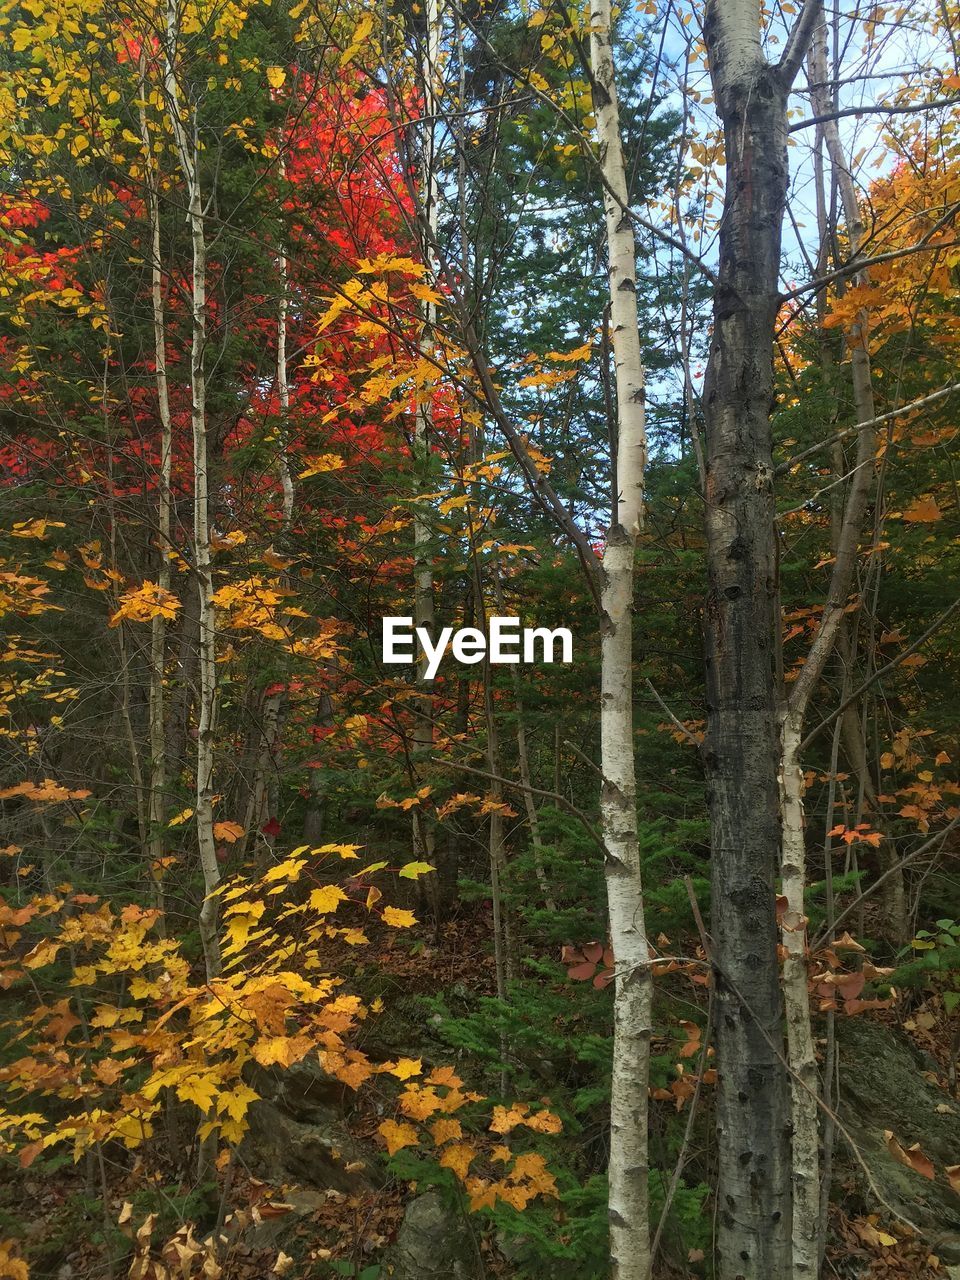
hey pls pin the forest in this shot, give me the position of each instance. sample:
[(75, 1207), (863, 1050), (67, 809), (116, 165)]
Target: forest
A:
[(480, 597)]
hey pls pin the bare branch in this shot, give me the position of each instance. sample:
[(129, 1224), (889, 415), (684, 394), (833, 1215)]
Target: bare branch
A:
[(878, 110)]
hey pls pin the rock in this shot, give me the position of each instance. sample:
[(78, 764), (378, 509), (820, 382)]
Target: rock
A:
[(298, 1132), (321, 1152), (435, 1243), (882, 1088)]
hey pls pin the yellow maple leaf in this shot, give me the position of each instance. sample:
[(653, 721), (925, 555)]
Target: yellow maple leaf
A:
[(397, 1136), (544, 1122), (144, 603), (398, 918), (288, 870), (358, 39), (282, 1050), (445, 1130), (405, 1068), (505, 1120), (458, 1157), (34, 528), (327, 898), (321, 463), (419, 1103), (446, 1076), (199, 1089), (923, 511), (236, 1101), (276, 77), (11, 1267)]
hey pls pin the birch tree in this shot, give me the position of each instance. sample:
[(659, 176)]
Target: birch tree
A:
[(185, 129), (632, 1009)]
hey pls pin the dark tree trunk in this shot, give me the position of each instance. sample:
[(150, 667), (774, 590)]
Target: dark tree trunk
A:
[(742, 748)]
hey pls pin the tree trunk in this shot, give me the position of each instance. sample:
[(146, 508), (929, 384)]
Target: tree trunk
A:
[(158, 627), (188, 151), (742, 750), (628, 1207), (423, 605)]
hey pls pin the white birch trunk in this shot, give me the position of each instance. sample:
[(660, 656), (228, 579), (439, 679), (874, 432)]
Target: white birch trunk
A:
[(628, 1207), (423, 606), (157, 732), (800, 1040), (283, 384), (188, 150), (801, 1052)]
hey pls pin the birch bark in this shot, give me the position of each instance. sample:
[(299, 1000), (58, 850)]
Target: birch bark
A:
[(187, 143), (800, 1040), (628, 1207), (156, 700)]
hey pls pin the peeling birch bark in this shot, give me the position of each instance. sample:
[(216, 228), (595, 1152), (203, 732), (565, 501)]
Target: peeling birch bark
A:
[(188, 151), (158, 627), (801, 1049), (628, 1173)]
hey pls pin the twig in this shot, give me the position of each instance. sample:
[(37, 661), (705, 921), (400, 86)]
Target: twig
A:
[(678, 724), (879, 674), (518, 786), (688, 1131), (871, 889)]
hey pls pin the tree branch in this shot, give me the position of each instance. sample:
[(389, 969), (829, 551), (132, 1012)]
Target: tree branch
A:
[(784, 467), (798, 42), (879, 674), (898, 110)]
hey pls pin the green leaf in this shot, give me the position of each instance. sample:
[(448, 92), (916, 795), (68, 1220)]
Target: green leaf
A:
[(413, 870)]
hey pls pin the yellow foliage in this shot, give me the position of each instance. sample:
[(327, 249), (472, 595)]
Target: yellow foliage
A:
[(397, 1135), (398, 918), (144, 603)]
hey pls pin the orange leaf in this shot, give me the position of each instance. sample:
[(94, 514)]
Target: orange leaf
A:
[(397, 1135), (458, 1158), (923, 511), (228, 831)]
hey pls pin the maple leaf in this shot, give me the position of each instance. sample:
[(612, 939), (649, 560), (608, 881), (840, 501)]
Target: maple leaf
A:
[(923, 511), (413, 870), (288, 870), (326, 899), (343, 851), (236, 1102), (398, 918), (458, 1157), (34, 528), (404, 1068), (544, 1122), (199, 1089), (445, 1130), (228, 831), (420, 1103), (397, 1135), (282, 1050), (505, 1120), (145, 603), (321, 463), (11, 1267)]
